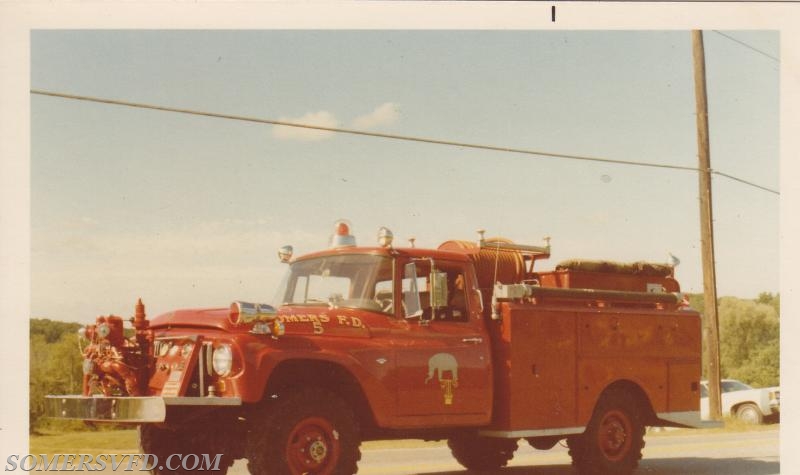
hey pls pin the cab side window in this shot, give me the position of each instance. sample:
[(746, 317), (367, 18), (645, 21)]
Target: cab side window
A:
[(440, 286), (457, 302)]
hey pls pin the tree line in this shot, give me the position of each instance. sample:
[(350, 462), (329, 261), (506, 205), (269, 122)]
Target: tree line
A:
[(749, 338), (749, 351), (55, 368)]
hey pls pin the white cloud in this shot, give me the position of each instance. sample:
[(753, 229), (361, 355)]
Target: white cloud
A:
[(385, 114), (320, 118)]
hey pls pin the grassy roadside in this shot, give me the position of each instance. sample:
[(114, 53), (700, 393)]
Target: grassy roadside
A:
[(92, 443), (731, 425), (126, 441)]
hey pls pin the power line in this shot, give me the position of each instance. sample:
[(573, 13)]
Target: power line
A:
[(357, 132), (386, 136), (747, 46), (750, 183)]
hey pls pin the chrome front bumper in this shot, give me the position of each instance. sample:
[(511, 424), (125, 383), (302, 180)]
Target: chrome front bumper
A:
[(125, 409)]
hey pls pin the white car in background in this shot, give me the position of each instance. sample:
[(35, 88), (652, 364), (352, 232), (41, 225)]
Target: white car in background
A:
[(743, 402)]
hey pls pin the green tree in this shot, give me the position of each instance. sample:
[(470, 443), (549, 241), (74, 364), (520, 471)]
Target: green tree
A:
[(52, 330), (773, 300), (750, 341), (749, 338), (55, 365), (762, 369)]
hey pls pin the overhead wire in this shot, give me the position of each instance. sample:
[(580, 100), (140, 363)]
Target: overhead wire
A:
[(747, 45), (388, 136), (740, 180)]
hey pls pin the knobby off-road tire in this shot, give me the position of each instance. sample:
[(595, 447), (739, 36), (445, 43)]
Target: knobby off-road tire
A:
[(309, 431), (197, 440), (613, 442), (482, 453)]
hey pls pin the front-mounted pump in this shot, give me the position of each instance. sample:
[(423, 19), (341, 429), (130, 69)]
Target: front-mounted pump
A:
[(112, 363)]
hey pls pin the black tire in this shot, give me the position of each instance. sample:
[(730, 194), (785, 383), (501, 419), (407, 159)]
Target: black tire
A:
[(543, 443), (165, 442), (576, 446), (749, 414), (482, 453), (309, 431), (613, 442)]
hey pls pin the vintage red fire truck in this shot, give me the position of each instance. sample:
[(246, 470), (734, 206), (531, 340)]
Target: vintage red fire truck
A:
[(469, 342)]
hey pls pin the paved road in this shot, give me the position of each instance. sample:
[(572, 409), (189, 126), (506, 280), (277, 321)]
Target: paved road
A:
[(748, 453), (751, 453), (707, 453)]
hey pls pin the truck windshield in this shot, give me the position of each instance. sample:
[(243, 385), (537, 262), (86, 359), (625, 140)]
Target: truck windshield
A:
[(733, 385), (353, 281)]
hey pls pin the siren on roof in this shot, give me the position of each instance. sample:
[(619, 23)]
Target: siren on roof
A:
[(341, 235)]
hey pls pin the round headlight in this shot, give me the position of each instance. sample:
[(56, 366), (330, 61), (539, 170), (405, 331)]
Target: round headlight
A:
[(222, 360)]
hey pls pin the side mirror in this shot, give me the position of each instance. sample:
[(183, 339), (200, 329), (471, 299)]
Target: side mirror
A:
[(411, 303)]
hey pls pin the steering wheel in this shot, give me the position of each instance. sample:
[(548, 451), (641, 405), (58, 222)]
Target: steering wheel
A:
[(386, 304)]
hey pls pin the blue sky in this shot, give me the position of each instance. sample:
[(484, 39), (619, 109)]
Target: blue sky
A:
[(188, 211)]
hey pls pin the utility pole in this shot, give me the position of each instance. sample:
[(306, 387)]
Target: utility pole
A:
[(707, 228)]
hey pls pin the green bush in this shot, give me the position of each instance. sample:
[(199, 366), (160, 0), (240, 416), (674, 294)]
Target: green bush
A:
[(749, 332), (55, 368)]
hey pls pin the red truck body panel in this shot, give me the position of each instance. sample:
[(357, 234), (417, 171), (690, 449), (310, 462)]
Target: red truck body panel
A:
[(553, 363)]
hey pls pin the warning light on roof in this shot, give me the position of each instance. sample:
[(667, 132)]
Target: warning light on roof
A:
[(285, 253), (385, 237), (341, 235)]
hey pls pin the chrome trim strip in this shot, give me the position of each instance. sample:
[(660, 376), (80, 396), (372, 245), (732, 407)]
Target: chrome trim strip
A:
[(201, 369), (590, 294), (203, 401), (125, 409), (179, 336), (510, 434), (688, 419)]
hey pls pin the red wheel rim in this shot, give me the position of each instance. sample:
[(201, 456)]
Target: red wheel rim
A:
[(614, 435), (312, 447)]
